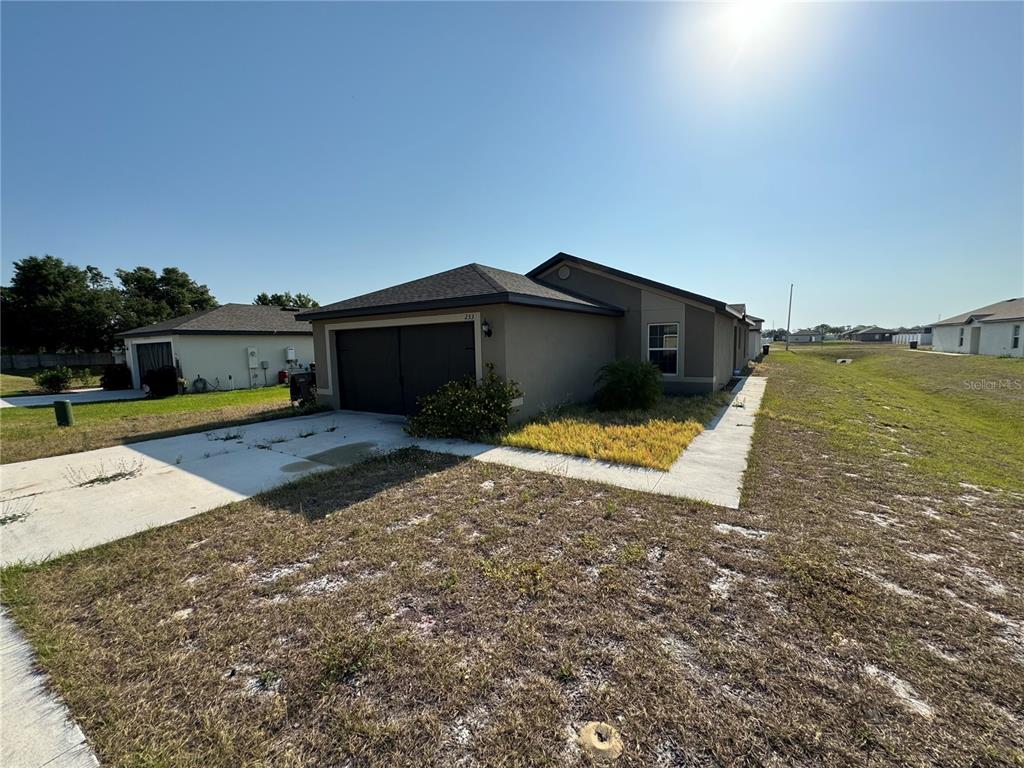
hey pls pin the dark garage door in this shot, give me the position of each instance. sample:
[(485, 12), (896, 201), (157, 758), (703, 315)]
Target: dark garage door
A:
[(384, 370), (149, 357)]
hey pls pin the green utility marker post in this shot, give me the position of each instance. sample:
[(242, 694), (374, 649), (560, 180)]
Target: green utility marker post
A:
[(65, 416)]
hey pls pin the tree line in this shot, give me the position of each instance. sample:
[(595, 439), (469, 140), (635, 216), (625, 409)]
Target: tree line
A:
[(53, 306)]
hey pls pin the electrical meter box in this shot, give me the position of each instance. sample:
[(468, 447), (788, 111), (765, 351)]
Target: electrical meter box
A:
[(254, 361)]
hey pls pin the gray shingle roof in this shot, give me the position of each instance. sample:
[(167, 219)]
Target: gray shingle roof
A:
[(1001, 311), (875, 329), (229, 319), (462, 286)]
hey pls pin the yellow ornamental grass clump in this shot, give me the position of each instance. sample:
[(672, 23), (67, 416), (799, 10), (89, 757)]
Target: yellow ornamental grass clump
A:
[(656, 443)]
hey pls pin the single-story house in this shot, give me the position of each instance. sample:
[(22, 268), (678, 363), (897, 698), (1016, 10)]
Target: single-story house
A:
[(549, 330), (806, 336), (873, 333), (919, 333), (754, 324), (991, 330), (233, 346)]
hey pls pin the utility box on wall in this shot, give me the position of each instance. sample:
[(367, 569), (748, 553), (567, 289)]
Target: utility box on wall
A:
[(253, 357)]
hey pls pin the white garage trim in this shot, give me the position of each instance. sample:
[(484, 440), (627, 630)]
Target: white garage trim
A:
[(129, 354), (327, 388)]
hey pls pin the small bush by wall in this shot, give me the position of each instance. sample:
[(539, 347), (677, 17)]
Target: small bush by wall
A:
[(466, 409), (116, 377), (628, 385), (55, 379)]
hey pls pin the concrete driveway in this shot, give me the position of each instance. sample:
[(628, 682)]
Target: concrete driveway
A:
[(75, 396), (60, 504)]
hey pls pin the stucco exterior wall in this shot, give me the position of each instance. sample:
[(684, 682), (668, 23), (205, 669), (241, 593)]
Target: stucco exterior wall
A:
[(944, 338), (630, 342), (723, 350), (554, 356), (216, 357), (997, 339)]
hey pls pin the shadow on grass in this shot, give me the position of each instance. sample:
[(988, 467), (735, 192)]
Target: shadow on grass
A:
[(319, 495)]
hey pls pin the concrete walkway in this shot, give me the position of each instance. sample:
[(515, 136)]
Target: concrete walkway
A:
[(76, 396), (35, 726)]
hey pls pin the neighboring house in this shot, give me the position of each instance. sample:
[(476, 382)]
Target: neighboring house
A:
[(754, 324), (921, 334), (233, 346), (549, 330), (992, 330), (806, 336), (873, 333)]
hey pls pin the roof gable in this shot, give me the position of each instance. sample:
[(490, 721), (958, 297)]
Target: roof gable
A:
[(560, 257), (1001, 311)]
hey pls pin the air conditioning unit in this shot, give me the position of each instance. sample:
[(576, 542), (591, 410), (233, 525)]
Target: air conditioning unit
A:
[(254, 359)]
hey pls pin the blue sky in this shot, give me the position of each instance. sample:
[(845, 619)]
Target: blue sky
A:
[(870, 153)]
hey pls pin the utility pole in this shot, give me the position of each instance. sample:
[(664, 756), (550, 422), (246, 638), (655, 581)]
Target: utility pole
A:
[(789, 315)]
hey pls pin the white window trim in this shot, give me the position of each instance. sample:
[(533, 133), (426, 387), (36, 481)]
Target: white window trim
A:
[(960, 338), (1015, 337), (664, 349), (325, 383)]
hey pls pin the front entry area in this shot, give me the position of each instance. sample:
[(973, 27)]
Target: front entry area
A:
[(385, 370)]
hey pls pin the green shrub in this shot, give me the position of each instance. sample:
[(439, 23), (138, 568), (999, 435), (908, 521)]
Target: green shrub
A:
[(465, 409), (628, 385), (86, 378), (55, 379)]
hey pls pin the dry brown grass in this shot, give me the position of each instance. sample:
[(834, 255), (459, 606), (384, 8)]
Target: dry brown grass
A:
[(653, 438), (423, 611)]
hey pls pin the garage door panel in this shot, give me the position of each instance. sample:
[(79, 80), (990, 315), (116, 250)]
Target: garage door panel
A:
[(386, 370), (369, 370), (433, 355)]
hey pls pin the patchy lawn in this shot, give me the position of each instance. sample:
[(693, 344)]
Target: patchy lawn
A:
[(864, 606), (30, 433), (652, 438), (20, 381)]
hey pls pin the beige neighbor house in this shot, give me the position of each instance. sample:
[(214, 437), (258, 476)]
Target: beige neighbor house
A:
[(549, 330), (233, 346), (992, 330)]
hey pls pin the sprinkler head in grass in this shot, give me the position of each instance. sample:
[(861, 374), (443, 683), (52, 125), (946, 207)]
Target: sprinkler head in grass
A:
[(601, 741)]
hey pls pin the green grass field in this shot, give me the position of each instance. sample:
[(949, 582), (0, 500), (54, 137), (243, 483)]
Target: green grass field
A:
[(31, 433), (20, 382), (942, 416)]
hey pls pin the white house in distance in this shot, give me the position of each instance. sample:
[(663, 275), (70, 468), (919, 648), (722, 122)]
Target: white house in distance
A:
[(992, 330), (921, 334), (806, 336), (233, 346)]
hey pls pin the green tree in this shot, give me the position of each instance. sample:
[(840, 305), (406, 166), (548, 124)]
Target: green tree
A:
[(286, 299), (56, 306), (147, 297)]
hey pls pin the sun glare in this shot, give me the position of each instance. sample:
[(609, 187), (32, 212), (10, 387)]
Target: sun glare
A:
[(747, 26)]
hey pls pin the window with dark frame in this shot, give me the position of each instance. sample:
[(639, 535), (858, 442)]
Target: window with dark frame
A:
[(663, 347), (1016, 337), (960, 341)]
